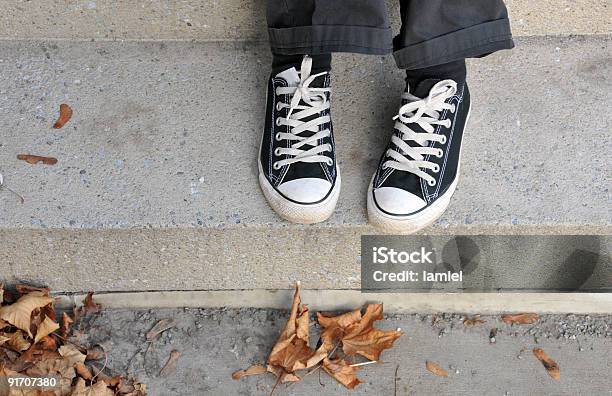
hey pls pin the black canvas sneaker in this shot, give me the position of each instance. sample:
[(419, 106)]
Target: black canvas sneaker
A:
[(297, 164), (418, 173)]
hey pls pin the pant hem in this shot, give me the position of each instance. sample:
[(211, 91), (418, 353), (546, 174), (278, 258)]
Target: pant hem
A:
[(323, 39), (472, 42)]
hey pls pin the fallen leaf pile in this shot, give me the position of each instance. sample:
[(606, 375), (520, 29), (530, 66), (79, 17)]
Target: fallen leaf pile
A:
[(33, 344), (343, 339)]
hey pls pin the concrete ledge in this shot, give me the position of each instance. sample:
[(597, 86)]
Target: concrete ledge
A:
[(156, 185), (211, 20), (337, 300)]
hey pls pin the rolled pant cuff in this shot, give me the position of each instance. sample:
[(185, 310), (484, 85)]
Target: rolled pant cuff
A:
[(472, 42), (323, 39)]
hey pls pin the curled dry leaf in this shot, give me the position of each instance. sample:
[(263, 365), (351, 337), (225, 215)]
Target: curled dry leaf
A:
[(64, 117), (436, 369), (27, 289), (160, 327), (35, 159), (525, 318), (16, 341), (255, 369), (97, 389), (292, 351), (550, 365), (95, 353), (83, 371), (342, 372), (170, 365), (47, 327), (89, 304), (19, 313), (357, 333), (66, 322), (470, 322), (71, 354)]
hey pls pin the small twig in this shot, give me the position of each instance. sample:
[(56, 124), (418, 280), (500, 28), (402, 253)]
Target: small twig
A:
[(9, 189), (275, 385), (104, 365), (364, 363), (395, 381)]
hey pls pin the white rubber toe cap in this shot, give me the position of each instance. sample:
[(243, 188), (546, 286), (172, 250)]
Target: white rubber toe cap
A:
[(397, 201), (306, 191)]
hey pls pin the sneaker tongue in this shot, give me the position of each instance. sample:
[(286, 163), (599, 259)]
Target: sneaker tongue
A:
[(423, 88), (291, 76)]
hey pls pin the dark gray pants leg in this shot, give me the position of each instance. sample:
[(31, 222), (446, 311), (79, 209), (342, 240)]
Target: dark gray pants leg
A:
[(433, 31), (442, 31), (324, 26)]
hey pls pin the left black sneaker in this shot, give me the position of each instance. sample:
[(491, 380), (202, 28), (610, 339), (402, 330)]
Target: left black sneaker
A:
[(418, 173)]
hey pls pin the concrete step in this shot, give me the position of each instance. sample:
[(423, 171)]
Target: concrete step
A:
[(156, 185), (204, 20)]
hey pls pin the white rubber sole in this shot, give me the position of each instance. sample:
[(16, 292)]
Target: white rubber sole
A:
[(411, 224), (300, 213)]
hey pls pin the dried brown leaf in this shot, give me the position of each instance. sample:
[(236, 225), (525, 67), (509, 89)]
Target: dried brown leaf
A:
[(160, 327), (470, 322), (19, 313), (35, 159), (66, 323), (170, 366), (95, 353), (17, 341), (83, 371), (291, 351), (71, 354), (89, 305), (524, 318), (342, 372), (47, 327), (436, 369), (3, 339), (550, 365), (255, 369), (97, 389), (27, 289), (284, 375), (357, 333), (64, 117)]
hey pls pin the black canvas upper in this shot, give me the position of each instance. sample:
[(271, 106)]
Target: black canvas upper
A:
[(449, 162), (296, 170)]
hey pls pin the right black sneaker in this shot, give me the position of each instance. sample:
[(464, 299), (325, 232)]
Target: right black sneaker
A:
[(418, 173), (298, 173)]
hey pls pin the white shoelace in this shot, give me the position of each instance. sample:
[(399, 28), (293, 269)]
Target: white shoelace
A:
[(426, 113), (306, 149)]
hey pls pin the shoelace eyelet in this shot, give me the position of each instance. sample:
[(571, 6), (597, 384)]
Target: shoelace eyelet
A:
[(431, 183), (275, 166), (329, 162), (277, 152), (443, 141), (277, 137), (436, 169), (440, 153), (278, 121), (278, 106)]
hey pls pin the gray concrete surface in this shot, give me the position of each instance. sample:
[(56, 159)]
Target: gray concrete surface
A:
[(156, 187), (214, 343), (203, 20)]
